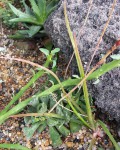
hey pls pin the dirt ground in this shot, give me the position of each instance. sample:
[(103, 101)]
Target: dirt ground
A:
[(13, 76)]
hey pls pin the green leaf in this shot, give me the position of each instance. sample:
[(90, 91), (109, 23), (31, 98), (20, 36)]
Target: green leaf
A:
[(14, 146), (42, 127), (33, 30), (19, 35), (109, 134), (29, 131), (35, 8), (55, 137), (52, 122), (104, 68), (59, 110), (26, 20), (45, 99), (51, 6), (34, 102), (19, 13), (42, 8), (63, 130), (27, 9), (45, 51), (67, 113), (115, 56), (74, 127), (96, 82), (54, 63), (27, 120), (42, 108), (56, 50)]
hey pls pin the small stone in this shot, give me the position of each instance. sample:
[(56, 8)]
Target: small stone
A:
[(12, 139), (9, 134), (18, 133), (69, 144), (47, 143)]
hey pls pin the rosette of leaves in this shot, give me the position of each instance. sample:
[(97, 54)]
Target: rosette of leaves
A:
[(60, 123), (33, 18)]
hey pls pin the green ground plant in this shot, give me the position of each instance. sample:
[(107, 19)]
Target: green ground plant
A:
[(33, 18), (53, 115), (60, 105), (6, 14)]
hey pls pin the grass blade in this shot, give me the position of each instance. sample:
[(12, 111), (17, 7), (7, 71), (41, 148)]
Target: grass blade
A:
[(80, 67), (14, 146), (104, 68), (117, 147)]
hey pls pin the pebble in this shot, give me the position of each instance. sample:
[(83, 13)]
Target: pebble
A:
[(69, 144)]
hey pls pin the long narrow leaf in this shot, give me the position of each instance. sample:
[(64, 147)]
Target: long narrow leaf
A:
[(14, 110), (80, 68), (18, 12), (27, 9), (27, 20), (104, 68), (109, 134), (42, 6), (29, 131), (14, 146), (70, 82), (55, 137), (32, 80), (35, 7)]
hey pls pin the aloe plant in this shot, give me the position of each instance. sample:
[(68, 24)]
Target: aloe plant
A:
[(34, 17)]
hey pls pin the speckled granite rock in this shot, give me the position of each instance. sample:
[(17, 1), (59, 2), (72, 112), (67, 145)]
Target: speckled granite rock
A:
[(107, 91)]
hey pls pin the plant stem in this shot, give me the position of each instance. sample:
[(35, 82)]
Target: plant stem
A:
[(92, 143), (81, 69)]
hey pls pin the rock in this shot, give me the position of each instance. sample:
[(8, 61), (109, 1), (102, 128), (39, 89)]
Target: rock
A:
[(107, 91)]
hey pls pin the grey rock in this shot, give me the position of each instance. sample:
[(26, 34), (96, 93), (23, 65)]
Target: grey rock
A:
[(107, 91)]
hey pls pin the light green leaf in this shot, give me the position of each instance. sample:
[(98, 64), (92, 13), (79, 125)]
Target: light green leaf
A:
[(42, 7), (42, 108), (76, 76), (59, 111), (27, 20), (42, 127), (27, 9), (33, 30), (29, 131), (56, 50), (14, 146), (109, 134), (34, 102), (74, 127), (27, 120), (35, 7), (51, 6), (55, 137), (54, 63), (96, 82), (52, 122), (45, 51), (104, 68), (19, 13), (63, 130), (115, 56), (45, 99)]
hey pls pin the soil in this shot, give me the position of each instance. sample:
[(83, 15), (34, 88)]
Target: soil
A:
[(13, 76)]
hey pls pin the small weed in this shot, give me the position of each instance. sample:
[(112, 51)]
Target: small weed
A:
[(6, 14)]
